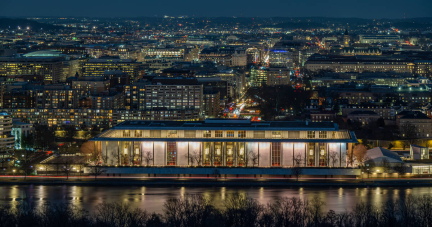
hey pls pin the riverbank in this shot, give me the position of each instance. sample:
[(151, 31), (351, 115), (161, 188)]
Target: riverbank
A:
[(213, 182)]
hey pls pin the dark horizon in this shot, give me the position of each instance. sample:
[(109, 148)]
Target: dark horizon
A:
[(368, 9)]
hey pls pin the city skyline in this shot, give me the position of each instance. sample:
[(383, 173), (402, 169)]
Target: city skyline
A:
[(274, 8)]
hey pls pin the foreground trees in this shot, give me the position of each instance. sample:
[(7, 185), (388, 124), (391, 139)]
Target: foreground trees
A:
[(238, 210)]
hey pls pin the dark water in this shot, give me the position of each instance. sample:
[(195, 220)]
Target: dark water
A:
[(153, 198)]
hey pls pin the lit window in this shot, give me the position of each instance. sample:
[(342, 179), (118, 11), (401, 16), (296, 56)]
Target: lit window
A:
[(207, 134), (311, 134), (276, 134), (218, 133), (242, 134), (172, 133), (322, 134)]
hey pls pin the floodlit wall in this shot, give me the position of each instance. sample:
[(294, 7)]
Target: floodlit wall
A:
[(264, 154), (291, 153)]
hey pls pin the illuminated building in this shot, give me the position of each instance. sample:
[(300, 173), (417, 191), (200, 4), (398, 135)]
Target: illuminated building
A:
[(108, 101), (379, 38), (7, 141), (97, 67), (222, 142), (337, 63), (48, 96), (258, 76), (346, 39), (278, 76), (90, 85), (177, 98), (50, 67), (211, 104), (239, 57), (416, 123), (20, 129), (281, 58)]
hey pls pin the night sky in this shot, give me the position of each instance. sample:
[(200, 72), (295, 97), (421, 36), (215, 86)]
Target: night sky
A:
[(249, 8)]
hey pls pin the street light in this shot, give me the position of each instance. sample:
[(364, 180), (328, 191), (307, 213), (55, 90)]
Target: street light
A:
[(13, 173)]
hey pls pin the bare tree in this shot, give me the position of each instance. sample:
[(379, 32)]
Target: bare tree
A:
[(58, 167), (95, 156), (44, 166), (298, 160), (333, 157), (197, 156), (148, 157), (115, 158), (104, 159), (360, 151), (194, 157), (400, 168), (80, 167), (297, 171), (67, 169), (253, 157), (96, 170)]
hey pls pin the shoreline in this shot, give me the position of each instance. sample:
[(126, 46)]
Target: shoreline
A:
[(223, 182)]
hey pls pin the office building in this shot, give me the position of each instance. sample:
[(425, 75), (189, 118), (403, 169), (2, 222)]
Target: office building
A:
[(97, 67)]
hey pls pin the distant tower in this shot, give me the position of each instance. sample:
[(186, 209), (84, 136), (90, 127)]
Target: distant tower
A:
[(346, 39)]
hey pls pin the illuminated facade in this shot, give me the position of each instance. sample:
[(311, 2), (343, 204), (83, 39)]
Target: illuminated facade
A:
[(97, 67), (278, 76), (7, 141), (359, 64), (51, 68), (222, 142)]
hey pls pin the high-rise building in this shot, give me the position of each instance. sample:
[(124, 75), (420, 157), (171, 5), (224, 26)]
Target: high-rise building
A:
[(211, 104), (258, 76), (97, 67), (7, 141)]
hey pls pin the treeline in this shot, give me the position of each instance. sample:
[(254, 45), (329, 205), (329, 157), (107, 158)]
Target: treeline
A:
[(238, 210)]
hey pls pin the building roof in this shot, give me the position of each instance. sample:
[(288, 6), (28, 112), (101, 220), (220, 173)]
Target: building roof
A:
[(215, 123), (378, 154), (363, 112), (415, 115)]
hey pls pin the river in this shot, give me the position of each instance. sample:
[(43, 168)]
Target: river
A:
[(153, 198)]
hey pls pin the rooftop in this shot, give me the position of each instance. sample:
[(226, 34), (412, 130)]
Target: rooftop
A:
[(215, 123)]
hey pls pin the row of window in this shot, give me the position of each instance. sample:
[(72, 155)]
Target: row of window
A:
[(220, 134)]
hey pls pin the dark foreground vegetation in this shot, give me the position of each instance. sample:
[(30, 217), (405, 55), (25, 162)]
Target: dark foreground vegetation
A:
[(239, 210)]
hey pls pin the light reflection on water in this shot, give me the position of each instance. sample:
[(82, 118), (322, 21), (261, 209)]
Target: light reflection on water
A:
[(153, 198)]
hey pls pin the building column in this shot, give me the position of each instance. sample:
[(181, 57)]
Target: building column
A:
[(118, 153), (258, 154), (317, 154), (212, 153), (106, 151), (293, 156)]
